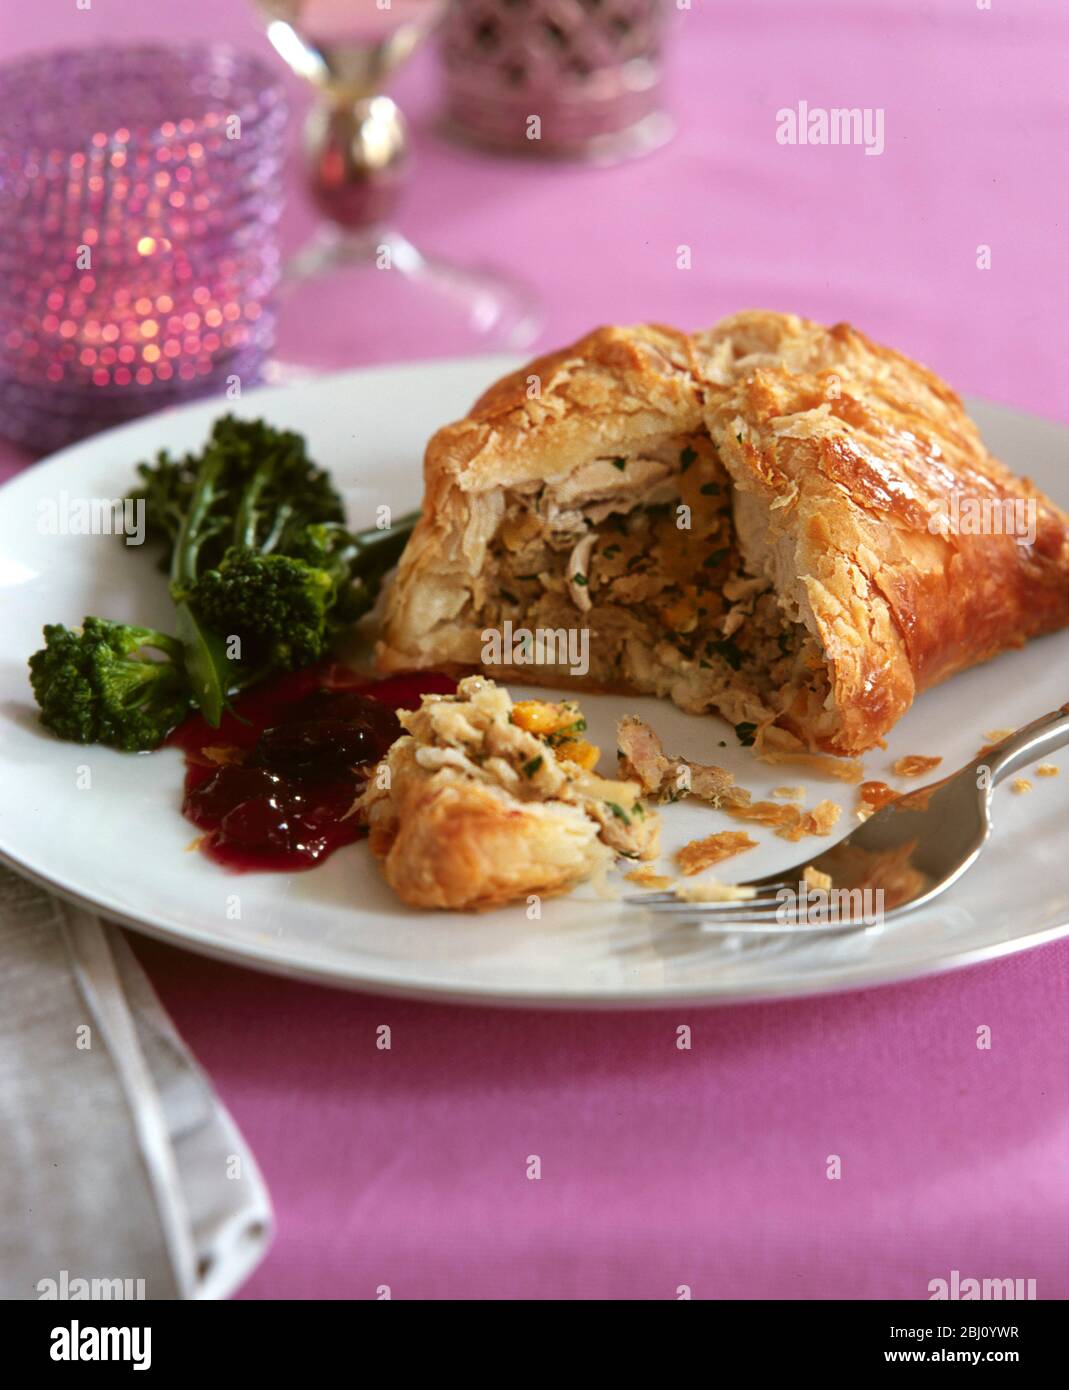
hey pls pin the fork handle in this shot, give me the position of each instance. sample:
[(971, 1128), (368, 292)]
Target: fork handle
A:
[(1034, 741)]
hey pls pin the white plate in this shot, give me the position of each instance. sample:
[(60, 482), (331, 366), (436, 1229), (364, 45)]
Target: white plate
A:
[(120, 844)]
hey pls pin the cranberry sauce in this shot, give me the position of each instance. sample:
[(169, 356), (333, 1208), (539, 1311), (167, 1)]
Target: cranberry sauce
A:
[(273, 785)]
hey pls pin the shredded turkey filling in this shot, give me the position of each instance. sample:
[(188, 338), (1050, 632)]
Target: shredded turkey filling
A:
[(643, 552)]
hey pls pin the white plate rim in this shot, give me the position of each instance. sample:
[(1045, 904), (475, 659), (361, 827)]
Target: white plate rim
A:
[(666, 996)]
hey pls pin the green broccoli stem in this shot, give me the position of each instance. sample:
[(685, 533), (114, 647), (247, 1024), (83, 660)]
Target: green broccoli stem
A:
[(367, 557), (270, 542), (157, 641), (193, 532), (247, 518), (378, 551), (372, 538), (207, 664)]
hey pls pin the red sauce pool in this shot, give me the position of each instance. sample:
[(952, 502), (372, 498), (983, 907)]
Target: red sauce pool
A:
[(289, 761)]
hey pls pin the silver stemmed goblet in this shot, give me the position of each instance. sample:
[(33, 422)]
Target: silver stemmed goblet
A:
[(357, 159)]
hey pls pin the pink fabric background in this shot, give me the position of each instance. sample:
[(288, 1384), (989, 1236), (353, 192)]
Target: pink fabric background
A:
[(705, 1168)]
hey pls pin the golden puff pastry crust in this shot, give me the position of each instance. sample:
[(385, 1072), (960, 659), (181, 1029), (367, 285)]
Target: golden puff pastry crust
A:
[(482, 803), (853, 466), (758, 519)]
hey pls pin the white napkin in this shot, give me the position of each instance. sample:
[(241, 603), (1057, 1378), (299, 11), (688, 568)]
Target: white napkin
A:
[(117, 1159)]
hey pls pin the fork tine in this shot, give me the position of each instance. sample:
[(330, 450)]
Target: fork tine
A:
[(717, 925), (745, 918), (741, 918), (763, 893), (736, 909), (758, 914)]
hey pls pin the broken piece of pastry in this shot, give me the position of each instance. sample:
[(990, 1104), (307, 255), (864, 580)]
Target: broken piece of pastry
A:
[(483, 802), (757, 520), (700, 854)]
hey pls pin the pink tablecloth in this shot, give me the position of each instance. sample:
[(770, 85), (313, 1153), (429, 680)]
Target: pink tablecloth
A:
[(705, 1168)]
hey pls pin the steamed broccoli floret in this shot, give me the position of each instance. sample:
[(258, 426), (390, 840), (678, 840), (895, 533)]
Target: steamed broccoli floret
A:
[(98, 686), (279, 606), (287, 607), (356, 562)]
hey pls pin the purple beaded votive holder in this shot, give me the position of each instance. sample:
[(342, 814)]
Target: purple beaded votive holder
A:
[(140, 189)]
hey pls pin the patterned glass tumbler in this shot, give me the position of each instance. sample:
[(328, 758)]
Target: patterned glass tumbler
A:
[(140, 189), (558, 78)]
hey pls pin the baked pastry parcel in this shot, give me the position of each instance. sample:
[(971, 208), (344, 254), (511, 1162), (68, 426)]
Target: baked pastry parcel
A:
[(482, 802), (782, 522)]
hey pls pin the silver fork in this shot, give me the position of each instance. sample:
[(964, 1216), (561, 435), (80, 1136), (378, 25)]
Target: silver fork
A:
[(909, 852)]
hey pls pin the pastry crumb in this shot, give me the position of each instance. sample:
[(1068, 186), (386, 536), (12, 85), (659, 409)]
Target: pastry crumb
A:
[(789, 793), (789, 822), (914, 765), (842, 769), (1047, 770), (1021, 785), (815, 878), (646, 876), (713, 891), (224, 754), (874, 796), (994, 737), (819, 821), (701, 854)]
